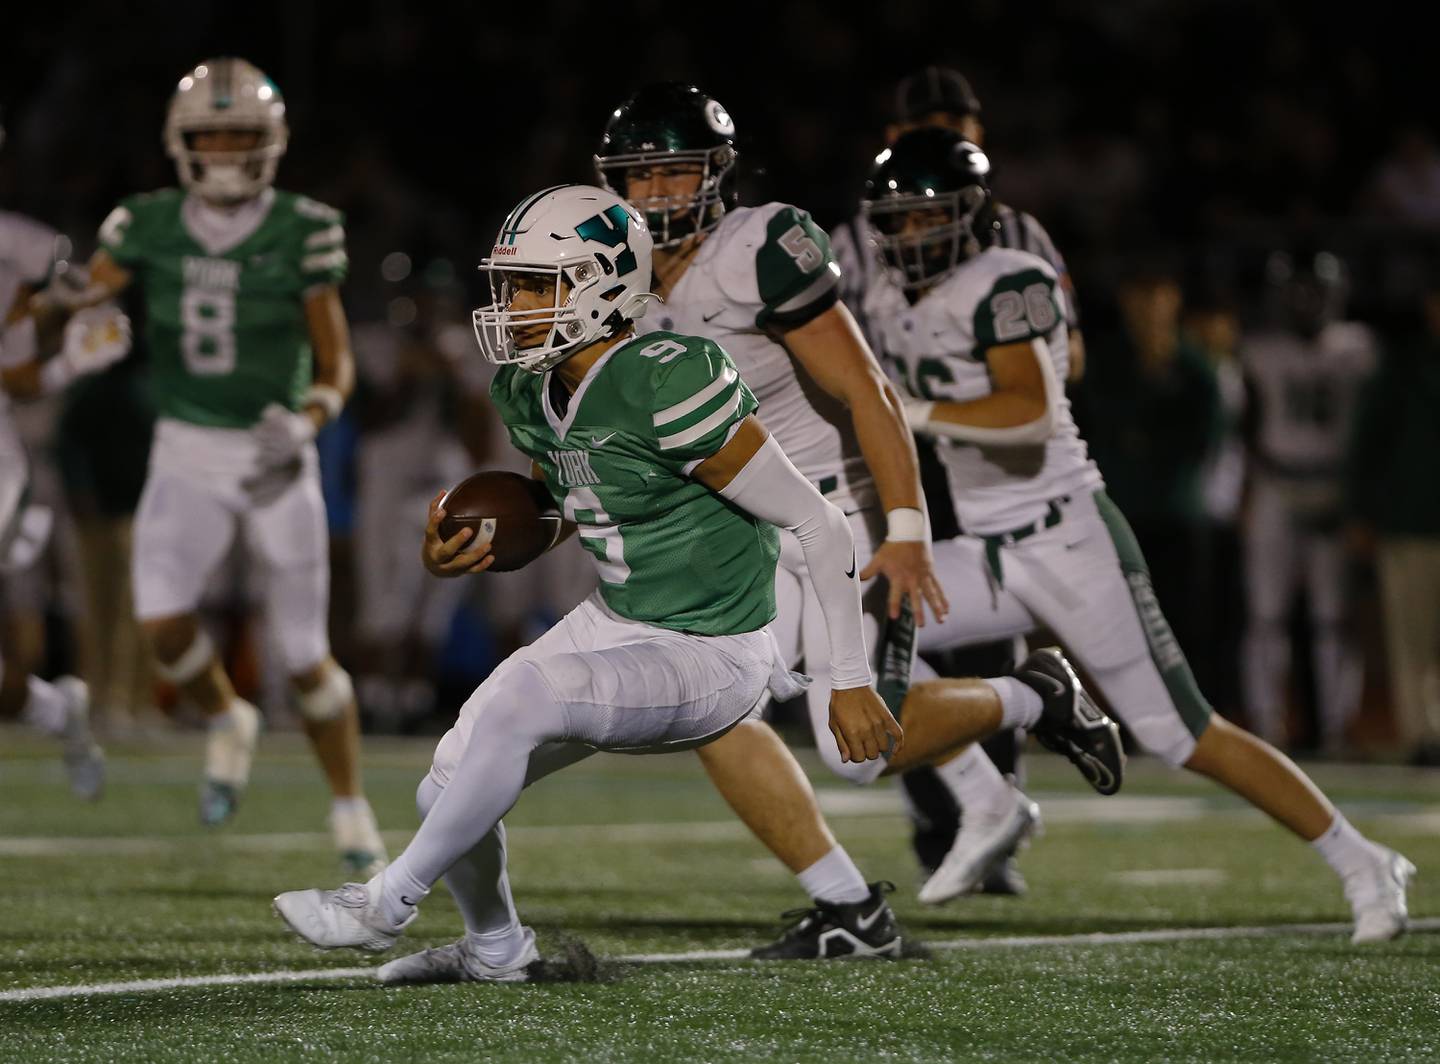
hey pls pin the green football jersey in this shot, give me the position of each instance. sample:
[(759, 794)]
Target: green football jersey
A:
[(225, 326), (618, 460)]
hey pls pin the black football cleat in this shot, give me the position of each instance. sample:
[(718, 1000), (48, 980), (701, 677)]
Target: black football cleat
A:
[(1071, 723), (838, 931)]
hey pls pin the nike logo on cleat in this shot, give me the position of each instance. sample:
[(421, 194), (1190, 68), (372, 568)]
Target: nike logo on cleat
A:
[(865, 923)]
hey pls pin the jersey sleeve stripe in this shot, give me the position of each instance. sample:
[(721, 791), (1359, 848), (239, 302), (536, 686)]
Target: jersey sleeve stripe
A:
[(696, 401), (827, 280), (327, 261), (326, 237), (702, 428)]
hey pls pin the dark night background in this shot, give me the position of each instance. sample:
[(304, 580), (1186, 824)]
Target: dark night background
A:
[(1204, 128)]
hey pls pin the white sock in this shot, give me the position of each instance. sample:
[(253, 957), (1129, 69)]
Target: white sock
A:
[(353, 806), (1020, 705), (1345, 850), (975, 781), (834, 878), (496, 948), (399, 891), (46, 709)]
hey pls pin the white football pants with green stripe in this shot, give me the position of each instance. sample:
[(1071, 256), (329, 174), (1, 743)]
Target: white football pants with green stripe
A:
[(1086, 580)]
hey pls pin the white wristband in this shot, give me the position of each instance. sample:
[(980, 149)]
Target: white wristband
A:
[(917, 411), (906, 524), (327, 398)]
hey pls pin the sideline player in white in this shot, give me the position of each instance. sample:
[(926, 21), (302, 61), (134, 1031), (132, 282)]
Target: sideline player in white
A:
[(250, 357), (650, 449), (1304, 376), (89, 343), (978, 337), (762, 282)]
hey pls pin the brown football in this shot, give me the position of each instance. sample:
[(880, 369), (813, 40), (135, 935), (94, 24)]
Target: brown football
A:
[(514, 512)]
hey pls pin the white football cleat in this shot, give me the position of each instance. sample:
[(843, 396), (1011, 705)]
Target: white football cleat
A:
[(229, 749), (456, 964), (1377, 898), (984, 838), (84, 760), (357, 837), (342, 918)]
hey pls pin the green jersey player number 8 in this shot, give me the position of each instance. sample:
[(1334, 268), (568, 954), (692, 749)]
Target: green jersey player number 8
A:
[(249, 356)]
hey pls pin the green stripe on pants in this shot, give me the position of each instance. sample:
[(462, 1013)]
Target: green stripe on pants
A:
[(1164, 647), (896, 658)]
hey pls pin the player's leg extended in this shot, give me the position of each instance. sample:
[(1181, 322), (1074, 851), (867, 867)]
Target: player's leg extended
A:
[(288, 535), (1270, 572), (1339, 671), (496, 946), (759, 778), (1088, 581), (973, 779), (644, 690), (182, 531), (60, 710), (756, 774)]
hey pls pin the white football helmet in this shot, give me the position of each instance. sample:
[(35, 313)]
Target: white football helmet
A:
[(220, 94), (593, 248)]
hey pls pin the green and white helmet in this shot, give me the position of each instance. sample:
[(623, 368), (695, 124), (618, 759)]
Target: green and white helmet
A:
[(221, 94), (588, 238)]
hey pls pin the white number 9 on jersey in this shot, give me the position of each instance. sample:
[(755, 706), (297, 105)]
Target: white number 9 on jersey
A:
[(1021, 314)]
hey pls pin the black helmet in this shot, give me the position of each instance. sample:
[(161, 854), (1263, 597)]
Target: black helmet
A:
[(672, 123), (927, 170), (1308, 289)]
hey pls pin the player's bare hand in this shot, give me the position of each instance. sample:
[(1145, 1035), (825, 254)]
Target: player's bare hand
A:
[(909, 572), (862, 725), (448, 557)]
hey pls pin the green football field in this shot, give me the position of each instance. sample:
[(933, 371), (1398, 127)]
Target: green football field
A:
[(1166, 924)]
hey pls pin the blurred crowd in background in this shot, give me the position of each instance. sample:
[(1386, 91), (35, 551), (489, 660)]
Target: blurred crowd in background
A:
[(1183, 155)]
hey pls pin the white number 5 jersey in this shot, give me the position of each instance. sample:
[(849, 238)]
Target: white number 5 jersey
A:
[(762, 271), (936, 350)]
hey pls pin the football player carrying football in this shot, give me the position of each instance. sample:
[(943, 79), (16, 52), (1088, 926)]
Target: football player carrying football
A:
[(761, 281), (977, 334), (651, 450), (250, 357)]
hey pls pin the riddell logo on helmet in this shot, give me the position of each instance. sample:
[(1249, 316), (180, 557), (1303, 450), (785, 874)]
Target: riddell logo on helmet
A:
[(505, 249)]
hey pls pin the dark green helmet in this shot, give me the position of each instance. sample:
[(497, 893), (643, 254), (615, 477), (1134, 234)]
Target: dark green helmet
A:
[(665, 125), (942, 179)]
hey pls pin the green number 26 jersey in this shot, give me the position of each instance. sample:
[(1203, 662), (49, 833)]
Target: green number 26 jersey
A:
[(617, 460), (225, 297)]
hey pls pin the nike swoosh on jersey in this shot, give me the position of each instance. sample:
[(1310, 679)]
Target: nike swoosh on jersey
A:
[(600, 441), (708, 318), (851, 574)]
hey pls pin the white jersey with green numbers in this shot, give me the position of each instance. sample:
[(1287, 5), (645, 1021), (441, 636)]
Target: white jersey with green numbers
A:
[(936, 349), (225, 297), (761, 271), (617, 457)]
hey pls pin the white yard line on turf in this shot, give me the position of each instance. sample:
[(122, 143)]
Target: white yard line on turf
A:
[(1100, 938)]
